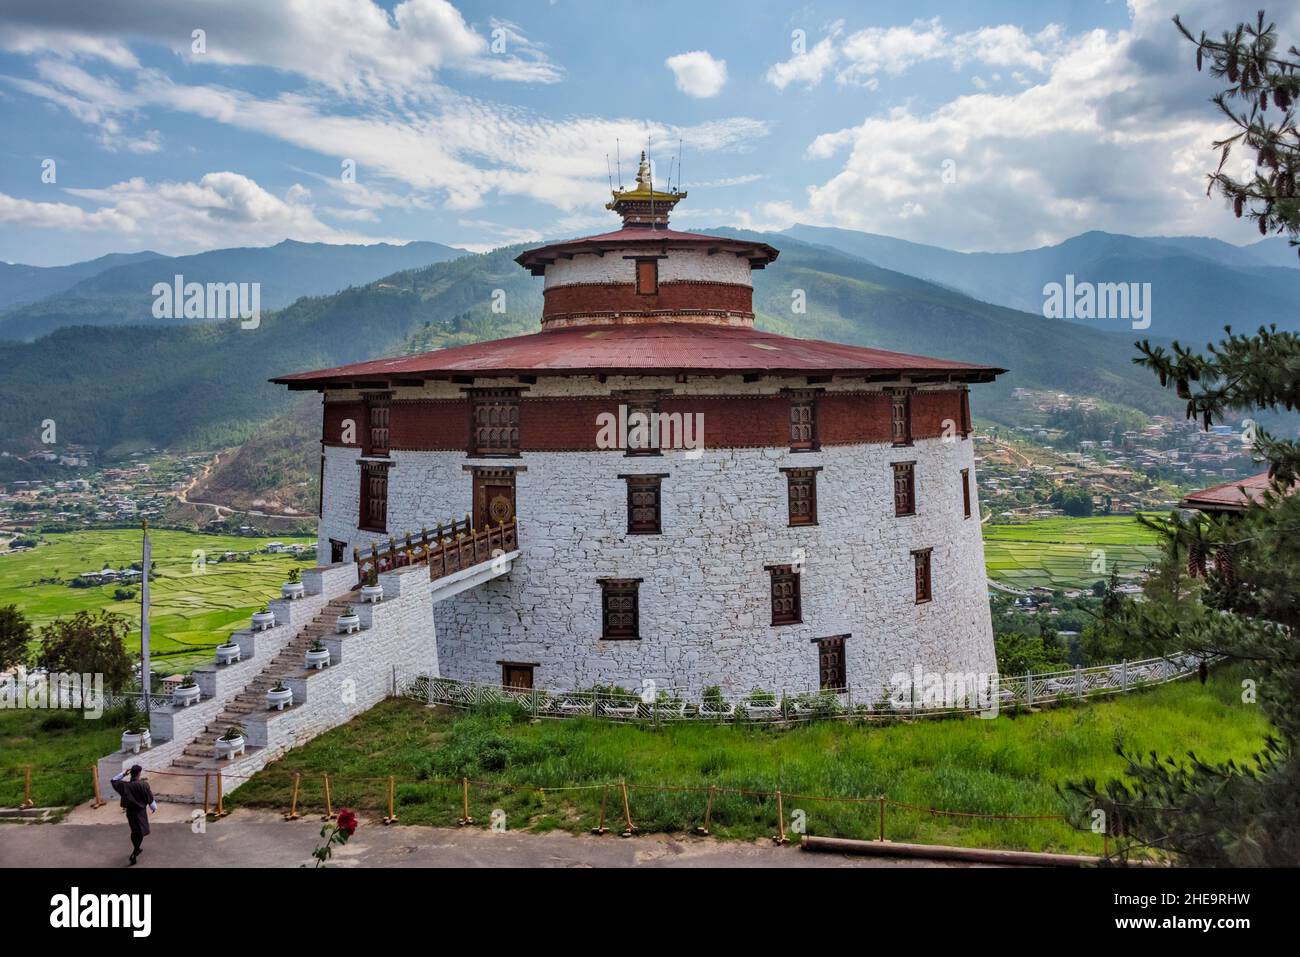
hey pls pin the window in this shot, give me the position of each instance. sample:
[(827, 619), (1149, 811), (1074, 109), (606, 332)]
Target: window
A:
[(965, 491), (801, 493), (786, 606), (516, 675), (900, 416), (643, 504), (965, 412), (921, 559), (831, 672), (496, 422), (647, 277), (803, 423), (620, 615), (377, 424), (374, 496), (643, 425), (337, 551), (904, 488)]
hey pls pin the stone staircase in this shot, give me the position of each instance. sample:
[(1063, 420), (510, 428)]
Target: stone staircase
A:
[(287, 664)]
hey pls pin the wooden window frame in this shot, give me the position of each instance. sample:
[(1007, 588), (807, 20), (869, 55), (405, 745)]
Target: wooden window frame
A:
[(641, 483), (832, 643), (794, 478), (648, 405), (922, 573), (365, 520), (797, 442), (611, 588), (904, 504), (647, 276), (900, 416), (966, 425), (965, 492), (378, 426), (481, 402), (780, 576), (507, 666)]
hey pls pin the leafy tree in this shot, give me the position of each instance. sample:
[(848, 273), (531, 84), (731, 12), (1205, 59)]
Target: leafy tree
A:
[(1245, 608), (1018, 653), (15, 635), (88, 644), (1073, 501)]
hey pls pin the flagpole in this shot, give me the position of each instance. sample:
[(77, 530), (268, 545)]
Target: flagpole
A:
[(144, 619)]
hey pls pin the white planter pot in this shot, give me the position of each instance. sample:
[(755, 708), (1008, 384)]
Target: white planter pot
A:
[(346, 624), (228, 749), (136, 742), (228, 654), (292, 590), (318, 659), (372, 593), (279, 700), (262, 620), (184, 697)]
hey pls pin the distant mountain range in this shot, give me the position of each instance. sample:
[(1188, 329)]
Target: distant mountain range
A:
[(117, 289), (1198, 285)]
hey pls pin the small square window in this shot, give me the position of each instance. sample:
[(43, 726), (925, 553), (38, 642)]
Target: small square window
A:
[(495, 422), (801, 495), (644, 516), (620, 611)]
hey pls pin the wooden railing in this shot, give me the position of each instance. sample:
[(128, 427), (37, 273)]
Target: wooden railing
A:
[(446, 549)]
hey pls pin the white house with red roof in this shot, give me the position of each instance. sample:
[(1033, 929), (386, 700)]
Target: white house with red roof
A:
[(693, 502)]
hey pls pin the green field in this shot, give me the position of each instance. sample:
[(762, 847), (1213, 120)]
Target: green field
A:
[(191, 610), (1006, 766), (1061, 552)]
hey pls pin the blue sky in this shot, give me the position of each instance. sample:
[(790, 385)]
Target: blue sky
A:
[(479, 124)]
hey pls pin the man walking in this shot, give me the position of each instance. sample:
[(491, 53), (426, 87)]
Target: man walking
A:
[(137, 801)]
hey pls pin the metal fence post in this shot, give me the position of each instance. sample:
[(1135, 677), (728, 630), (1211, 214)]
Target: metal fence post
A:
[(1078, 679), (1123, 675), (1029, 688)]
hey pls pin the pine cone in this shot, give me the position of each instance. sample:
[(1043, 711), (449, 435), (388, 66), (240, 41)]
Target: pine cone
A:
[(1238, 202)]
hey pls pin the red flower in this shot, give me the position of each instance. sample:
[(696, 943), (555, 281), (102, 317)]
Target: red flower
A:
[(347, 822)]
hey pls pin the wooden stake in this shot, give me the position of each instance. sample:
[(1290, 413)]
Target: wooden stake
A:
[(207, 784), (703, 831), (221, 807), (630, 828), (293, 802), (464, 805), (27, 787), (329, 810), (94, 780), (779, 837), (600, 827), (392, 793), (882, 819)]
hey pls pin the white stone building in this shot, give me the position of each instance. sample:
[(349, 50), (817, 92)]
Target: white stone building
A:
[(697, 503)]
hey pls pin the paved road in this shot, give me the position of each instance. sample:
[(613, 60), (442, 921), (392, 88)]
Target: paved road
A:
[(258, 839)]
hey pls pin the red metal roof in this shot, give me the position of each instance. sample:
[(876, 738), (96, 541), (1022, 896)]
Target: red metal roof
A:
[(650, 349), (1231, 496), (759, 254)]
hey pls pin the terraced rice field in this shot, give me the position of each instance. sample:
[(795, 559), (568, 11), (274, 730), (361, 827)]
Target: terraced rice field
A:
[(1067, 552), (193, 605)]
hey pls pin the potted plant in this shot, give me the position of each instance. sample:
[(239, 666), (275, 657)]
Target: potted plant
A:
[(293, 588), (279, 696), (231, 742), (762, 704), (318, 656), (186, 693), (713, 705), (228, 652), (348, 621), (372, 591), (263, 619), (135, 736)]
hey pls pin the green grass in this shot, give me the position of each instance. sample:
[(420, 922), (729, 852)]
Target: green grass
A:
[(1060, 552), (59, 747), (190, 611), (1007, 766)]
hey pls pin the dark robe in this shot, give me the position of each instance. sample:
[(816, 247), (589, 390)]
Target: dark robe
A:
[(136, 798)]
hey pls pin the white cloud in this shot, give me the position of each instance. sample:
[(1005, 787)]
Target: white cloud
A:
[(698, 73), (807, 68), (219, 210)]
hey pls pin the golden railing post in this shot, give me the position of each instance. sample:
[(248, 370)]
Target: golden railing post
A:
[(221, 807), (392, 791), (779, 837), (600, 824), (329, 809), (708, 812), (629, 828), (27, 787), (94, 780), (207, 784), (293, 801), (882, 819), (464, 806)]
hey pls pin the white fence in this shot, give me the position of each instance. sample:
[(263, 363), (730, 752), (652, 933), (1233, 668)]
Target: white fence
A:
[(618, 704)]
